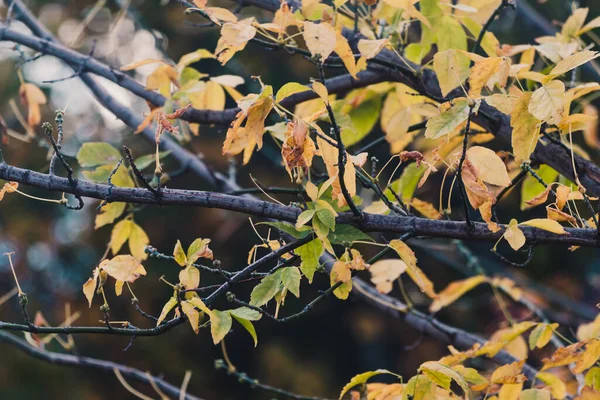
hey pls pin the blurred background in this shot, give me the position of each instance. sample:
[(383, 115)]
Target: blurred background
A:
[(56, 249)]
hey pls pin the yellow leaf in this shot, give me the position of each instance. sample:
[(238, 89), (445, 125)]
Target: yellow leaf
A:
[(321, 90), (138, 240), (425, 209), (370, 48), (237, 34), (548, 102), (510, 391), (590, 330), (166, 309), (192, 315), (482, 72), (190, 277), (330, 158), (123, 268), (451, 68), (120, 234), (534, 394), (509, 373), (385, 272), (290, 89), (343, 50), (32, 97), (557, 386), (341, 273), (89, 288), (320, 39), (526, 128), (574, 61), (588, 357), (547, 225), (563, 356), (140, 63), (109, 213), (514, 236), (220, 324), (161, 80), (219, 15), (490, 168), (541, 335), (179, 254), (409, 258), (454, 291)]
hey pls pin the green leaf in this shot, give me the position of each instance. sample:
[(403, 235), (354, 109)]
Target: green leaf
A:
[(407, 184), (246, 313), (347, 234), (434, 368), (451, 34), (289, 229), (179, 254), (532, 188), (144, 162), (290, 277), (534, 394), (304, 217), (197, 249), (326, 216), (97, 153), (220, 325), (248, 326), (449, 120), (361, 379), (289, 89), (266, 289), (309, 254), (361, 120)]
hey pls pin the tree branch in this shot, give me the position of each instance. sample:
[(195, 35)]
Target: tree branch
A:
[(92, 363), (369, 222)]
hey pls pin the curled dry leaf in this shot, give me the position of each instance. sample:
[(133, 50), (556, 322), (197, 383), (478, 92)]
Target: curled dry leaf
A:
[(298, 149), (415, 156), (8, 187), (32, 97)]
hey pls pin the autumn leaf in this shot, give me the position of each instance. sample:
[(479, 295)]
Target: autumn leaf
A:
[(547, 225), (541, 335), (547, 103), (509, 373), (526, 128), (385, 272), (415, 273), (454, 291), (490, 168), (449, 120), (32, 97), (514, 236), (451, 68), (320, 39), (298, 149), (123, 268), (340, 272)]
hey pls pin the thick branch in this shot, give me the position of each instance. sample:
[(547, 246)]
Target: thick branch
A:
[(369, 223)]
